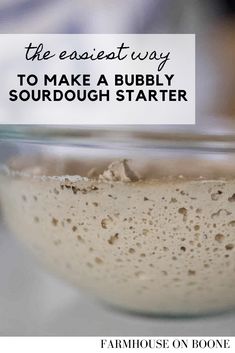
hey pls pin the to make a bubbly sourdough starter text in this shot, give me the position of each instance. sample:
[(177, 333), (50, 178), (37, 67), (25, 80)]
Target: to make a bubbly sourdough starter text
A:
[(151, 87)]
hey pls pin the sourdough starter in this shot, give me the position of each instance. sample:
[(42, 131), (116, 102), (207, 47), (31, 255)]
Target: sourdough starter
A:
[(163, 245)]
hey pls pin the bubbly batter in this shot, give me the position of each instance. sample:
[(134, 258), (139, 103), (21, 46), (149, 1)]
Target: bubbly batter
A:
[(157, 245)]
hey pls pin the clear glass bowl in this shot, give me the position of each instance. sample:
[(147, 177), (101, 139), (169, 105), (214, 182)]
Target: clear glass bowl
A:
[(144, 220)]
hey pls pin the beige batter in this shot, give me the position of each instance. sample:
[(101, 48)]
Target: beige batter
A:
[(152, 245)]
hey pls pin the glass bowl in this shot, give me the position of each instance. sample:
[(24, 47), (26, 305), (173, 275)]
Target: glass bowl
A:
[(144, 219)]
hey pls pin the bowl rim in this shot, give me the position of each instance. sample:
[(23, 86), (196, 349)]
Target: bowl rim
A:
[(113, 136)]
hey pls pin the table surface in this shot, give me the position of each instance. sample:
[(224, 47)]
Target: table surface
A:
[(33, 302)]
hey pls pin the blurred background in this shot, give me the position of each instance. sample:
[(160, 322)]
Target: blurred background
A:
[(213, 21)]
